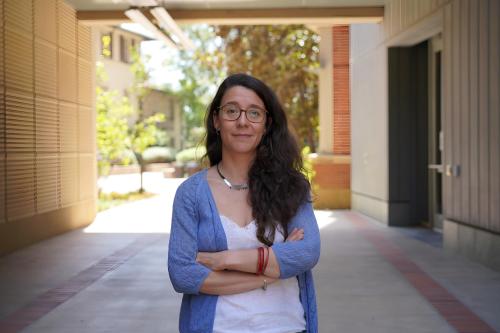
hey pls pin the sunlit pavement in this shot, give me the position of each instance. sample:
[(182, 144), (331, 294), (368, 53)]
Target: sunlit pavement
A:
[(112, 276)]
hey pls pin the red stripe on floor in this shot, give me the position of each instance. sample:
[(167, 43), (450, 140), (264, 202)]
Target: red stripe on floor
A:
[(459, 316), (51, 299)]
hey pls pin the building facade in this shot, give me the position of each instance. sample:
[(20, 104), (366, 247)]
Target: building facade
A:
[(426, 121)]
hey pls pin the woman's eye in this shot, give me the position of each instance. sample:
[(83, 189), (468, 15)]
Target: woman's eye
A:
[(254, 113)]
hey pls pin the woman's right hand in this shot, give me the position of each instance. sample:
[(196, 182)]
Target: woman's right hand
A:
[(295, 235)]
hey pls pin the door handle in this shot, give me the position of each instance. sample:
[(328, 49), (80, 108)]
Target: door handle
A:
[(438, 167)]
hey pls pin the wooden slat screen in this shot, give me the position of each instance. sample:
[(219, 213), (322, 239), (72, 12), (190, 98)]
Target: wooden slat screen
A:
[(46, 20), (85, 82), (68, 127), (47, 125), (19, 121), (45, 68), (69, 179), (66, 18), (47, 182), (84, 40), (20, 186), (20, 15), (87, 171), (67, 79), (46, 80), (18, 59), (86, 130), (3, 217)]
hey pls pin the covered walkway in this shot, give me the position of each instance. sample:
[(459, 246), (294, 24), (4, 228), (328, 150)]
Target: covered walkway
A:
[(112, 277)]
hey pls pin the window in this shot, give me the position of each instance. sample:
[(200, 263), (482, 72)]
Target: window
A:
[(107, 45)]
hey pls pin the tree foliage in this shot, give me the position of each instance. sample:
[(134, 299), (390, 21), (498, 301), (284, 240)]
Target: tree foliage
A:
[(114, 135), (286, 57), (203, 69)]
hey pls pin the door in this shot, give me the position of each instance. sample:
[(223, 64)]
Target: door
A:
[(435, 149)]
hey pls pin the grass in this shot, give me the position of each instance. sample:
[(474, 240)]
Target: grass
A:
[(113, 199)]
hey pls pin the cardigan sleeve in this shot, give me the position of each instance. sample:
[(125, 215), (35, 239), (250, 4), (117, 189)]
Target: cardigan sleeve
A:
[(300, 256), (185, 273)]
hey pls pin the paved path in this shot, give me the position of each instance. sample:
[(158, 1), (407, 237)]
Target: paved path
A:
[(112, 277)]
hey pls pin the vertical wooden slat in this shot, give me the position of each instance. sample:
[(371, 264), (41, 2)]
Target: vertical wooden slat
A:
[(455, 111), (464, 139), (494, 111), (484, 173), (447, 109), (473, 112)]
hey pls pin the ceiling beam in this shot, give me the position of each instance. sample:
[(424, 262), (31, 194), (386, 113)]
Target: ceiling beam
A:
[(315, 16)]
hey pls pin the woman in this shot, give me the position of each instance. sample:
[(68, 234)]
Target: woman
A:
[(244, 237)]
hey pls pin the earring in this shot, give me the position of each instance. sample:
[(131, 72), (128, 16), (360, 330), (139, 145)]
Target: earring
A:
[(217, 131)]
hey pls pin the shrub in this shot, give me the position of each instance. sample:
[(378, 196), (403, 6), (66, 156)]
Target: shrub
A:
[(194, 154), (159, 155)]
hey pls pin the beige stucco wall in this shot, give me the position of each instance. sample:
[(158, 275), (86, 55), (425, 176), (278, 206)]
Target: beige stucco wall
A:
[(405, 23)]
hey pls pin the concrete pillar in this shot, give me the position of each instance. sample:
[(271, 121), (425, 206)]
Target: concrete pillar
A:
[(326, 91)]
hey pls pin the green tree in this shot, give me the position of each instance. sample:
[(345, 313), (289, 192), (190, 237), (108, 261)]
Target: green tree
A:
[(111, 123), (203, 69), (286, 57), (114, 135), (144, 132)]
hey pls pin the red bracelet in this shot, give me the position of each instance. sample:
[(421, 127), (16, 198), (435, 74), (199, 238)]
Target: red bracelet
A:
[(266, 261), (260, 261)]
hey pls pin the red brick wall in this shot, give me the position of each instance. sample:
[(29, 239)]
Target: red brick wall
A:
[(341, 91)]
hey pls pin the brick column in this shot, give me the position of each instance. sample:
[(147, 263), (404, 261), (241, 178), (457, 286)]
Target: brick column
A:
[(332, 165)]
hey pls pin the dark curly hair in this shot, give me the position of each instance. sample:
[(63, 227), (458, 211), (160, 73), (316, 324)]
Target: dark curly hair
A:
[(276, 183)]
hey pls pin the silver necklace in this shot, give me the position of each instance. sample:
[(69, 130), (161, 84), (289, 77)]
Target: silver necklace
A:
[(237, 187)]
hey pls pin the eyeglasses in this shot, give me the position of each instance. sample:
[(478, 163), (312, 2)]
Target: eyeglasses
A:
[(233, 112)]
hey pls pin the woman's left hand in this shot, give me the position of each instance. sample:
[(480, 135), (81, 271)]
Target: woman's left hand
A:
[(213, 260)]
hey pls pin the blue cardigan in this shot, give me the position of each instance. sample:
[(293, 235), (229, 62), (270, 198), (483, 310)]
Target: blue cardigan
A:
[(196, 227)]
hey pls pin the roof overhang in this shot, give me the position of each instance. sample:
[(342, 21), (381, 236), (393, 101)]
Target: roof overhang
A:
[(312, 16)]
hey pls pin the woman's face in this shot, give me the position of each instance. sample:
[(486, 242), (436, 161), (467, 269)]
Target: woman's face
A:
[(241, 135)]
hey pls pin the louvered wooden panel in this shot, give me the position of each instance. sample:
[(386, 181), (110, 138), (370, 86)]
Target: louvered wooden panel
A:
[(47, 125), (87, 176), (19, 14), (85, 83), (68, 127), (47, 182), (19, 122), (18, 60), (2, 188), (67, 26), (45, 20), (45, 68), (84, 42), (2, 119), (20, 186), (2, 45), (67, 76), (86, 130), (69, 179)]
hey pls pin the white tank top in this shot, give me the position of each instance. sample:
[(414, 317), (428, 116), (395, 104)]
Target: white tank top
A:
[(275, 310)]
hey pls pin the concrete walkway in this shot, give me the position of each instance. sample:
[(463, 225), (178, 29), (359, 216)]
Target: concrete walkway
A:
[(112, 277)]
